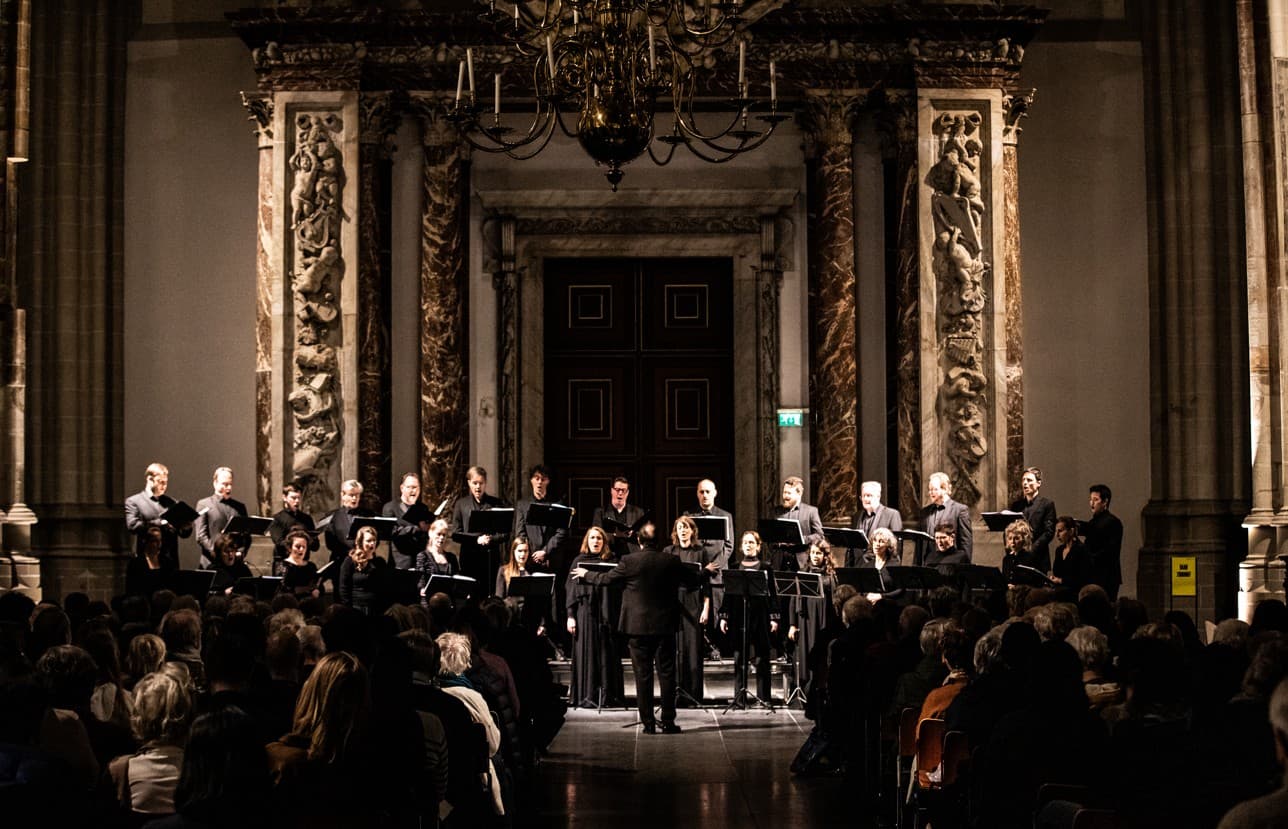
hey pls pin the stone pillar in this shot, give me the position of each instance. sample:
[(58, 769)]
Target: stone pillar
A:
[(509, 315), (1262, 81), (961, 304), (1014, 107), (834, 383), (443, 302), (1198, 302), (267, 283), (311, 283), (769, 282), (898, 124), (379, 122)]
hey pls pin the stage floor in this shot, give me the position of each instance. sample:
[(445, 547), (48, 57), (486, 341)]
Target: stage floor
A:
[(724, 770)]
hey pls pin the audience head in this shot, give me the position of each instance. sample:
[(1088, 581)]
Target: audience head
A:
[(1054, 621), (312, 647), (163, 708), (455, 653), (440, 611), (68, 675), (988, 650), (147, 654), (956, 648), (1269, 615), (50, 627), (1020, 643), (181, 631), (333, 707), (1268, 668), (224, 778), (855, 608), (842, 594), (1130, 615), (401, 615), (283, 656), (425, 658), (1055, 680), (1233, 633), (911, 620), (1092, 648)]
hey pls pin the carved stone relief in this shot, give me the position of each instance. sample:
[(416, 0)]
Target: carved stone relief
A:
[(316, 180), (960, 271)]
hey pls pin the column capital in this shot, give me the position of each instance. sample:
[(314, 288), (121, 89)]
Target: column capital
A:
[(1015, 106), (829, 118), (260, 107), (378, 119), (433, 109), (897, 123)]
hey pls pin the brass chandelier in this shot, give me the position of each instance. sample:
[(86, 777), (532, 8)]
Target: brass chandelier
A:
[(606, 64)]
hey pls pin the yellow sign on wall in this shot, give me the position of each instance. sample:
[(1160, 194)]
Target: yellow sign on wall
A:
[(1183, 583)]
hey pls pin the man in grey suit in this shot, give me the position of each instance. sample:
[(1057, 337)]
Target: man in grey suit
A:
[(807, 516), (942, 509), (872, 517), (216, 511), (144, 509), (650, 619)]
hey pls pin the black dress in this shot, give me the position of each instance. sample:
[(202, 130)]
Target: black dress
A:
[(810, 616), (690, 644), (760, 611), (298, 579), (532, 611), (227, 576), (1072, 568), (427, 566), (142, 580), (596, 657), (364, 590)]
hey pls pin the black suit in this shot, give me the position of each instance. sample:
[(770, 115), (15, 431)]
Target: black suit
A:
[(218, 512), (407, 539), (882, 518), (476, 561), (932, 515), (650, 617), (1104, 536), (539, 537), (627, 516), (811, 530), (337, 532), (1040, 513), (142, 511)]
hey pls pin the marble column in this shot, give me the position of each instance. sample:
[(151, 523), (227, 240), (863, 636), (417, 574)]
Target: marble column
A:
[(260, 107), (1198, 303), (1262, 83), (769, 282), (1015, 106), (509, 316), (829, 122), (443, 271), (897, 121), (378, 123)]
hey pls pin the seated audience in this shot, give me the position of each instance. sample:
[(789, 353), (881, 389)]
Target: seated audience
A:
[(144, 783)]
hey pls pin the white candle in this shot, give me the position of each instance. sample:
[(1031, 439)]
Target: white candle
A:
[(652, 52), (773, 85), (742, 66), (460, 82), (576, 18), (516, 15), (496, 98), (550, 56), (469, 64)]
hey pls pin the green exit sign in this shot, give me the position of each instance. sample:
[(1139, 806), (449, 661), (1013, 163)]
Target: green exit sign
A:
[(791, 418)]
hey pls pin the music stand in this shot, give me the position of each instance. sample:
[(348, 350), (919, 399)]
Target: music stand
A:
[(865, 579), (1000, 520), (404, 586), (549, 516), (713, 527), (384, 527), (261, 588), (977, 577), (748, 584), (495, 523), (798, 586), (915, 578), (923, 542), (457, 587), (195, 583), (248, 525)]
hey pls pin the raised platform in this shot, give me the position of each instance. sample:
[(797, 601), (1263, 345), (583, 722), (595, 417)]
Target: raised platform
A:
[(717, 681)]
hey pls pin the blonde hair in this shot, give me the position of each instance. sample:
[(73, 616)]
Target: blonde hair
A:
[(163, 709), (888, 535), (1021, 531), (331, 712), (605, 552), (455, 650), (147, 652)]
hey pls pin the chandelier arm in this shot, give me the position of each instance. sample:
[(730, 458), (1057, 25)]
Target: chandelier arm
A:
[(661, 162), (548, 134)]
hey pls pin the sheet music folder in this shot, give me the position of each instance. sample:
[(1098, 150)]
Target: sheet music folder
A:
[(1000, 520), (864, 579), (195, 583), (496, 521), (781, 531), (845, 537), (248, 525), (713, 527), (384, 527), (914, 578), (180, 514), (261, 587)]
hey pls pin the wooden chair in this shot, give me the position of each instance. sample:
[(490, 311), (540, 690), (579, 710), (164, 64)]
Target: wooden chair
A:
[(907, 749)]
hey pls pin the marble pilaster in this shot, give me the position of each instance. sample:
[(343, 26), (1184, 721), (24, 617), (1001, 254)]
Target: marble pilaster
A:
[(1198, 303), (961, 307), (378, 122), (769, 281), (509, 316), (1261, 573), (267, 280), (1015, 106), (898, 123), (443, 272), (830, 120)]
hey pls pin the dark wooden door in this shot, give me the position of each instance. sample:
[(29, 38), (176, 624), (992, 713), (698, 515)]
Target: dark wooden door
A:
[(639, 380)]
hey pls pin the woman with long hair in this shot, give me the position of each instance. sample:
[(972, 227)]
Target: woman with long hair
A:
[(531, 610), (320, 768), (362, 584), (761, 615), (596, 660), (149, 570), (808, 616), (695, 608)]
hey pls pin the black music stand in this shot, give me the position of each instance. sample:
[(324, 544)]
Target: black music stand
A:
[(550, 516), (495, 523), (384, 527), (977, 577), (248, 525), (261, 588), (748, 584), (1000, 520), (457, 587), (404, 586), (713, 527), (803, 586), (864, 579), (914, 578), (923, 542), (195, 583)]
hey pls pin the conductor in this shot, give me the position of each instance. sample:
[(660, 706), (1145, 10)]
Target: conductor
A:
[(650, 619)]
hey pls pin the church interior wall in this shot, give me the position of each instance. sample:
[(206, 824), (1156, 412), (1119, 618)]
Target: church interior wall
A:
[(189, 282)]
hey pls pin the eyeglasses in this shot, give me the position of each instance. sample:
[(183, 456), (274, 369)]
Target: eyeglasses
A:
[(621, 489)]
